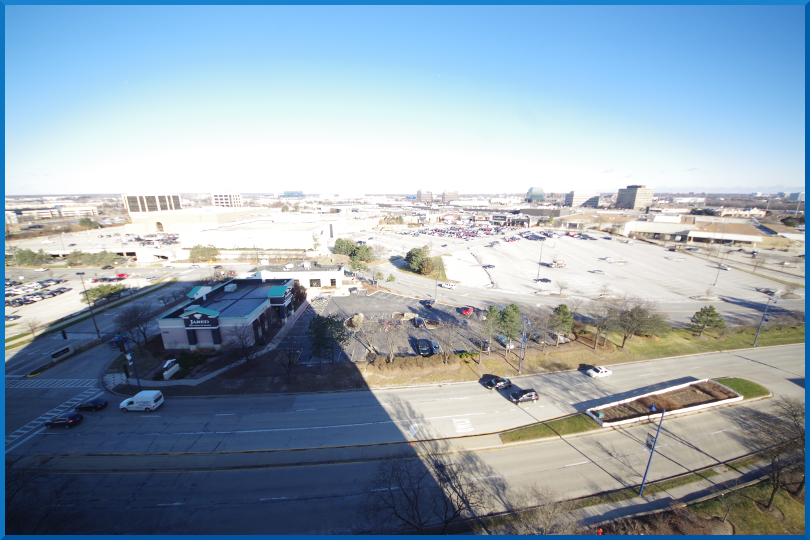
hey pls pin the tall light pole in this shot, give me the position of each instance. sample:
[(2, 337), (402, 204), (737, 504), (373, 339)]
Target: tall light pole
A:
[(540, 262), (89, 304), (652, 450), (523, 343), (762, 320)]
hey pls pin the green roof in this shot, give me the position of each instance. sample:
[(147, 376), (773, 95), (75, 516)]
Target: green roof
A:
[(277, 290), (193, 291)]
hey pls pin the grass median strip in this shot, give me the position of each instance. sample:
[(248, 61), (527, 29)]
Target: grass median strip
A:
[(17, 336), (747, 389), (578, 423)]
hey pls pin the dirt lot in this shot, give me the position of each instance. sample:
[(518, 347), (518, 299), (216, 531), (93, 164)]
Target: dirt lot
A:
[(696, 394)]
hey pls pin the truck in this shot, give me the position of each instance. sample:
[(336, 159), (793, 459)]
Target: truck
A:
[(558, 264)]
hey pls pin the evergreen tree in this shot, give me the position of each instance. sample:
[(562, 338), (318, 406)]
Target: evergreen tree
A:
[(414, 259), (705, 319), (562, 321)]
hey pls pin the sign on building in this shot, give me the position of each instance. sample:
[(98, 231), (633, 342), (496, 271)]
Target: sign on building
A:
[(201, 320)]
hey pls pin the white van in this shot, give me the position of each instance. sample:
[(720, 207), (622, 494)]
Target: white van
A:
[(148, 401)]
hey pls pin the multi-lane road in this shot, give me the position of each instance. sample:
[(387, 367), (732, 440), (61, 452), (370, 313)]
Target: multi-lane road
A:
[(202, 465)]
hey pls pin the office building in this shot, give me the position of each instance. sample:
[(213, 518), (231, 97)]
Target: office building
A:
[(449, 196), (424, 196), (634, 197), (582, 198), (796, 197), (137, 204), (227, 200), (536, 194)]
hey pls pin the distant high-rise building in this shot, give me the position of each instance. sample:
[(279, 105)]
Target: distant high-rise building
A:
[(582, 198), (136, 204), (796, 197), (634, 197), (448, 196), (536, 194), (424, 196), (229, 200)]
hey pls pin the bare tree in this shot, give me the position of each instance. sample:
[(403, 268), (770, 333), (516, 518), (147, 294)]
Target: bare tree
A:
[(166, 299), (409, 493), (378, 250), (288, 358), (562, 286), (34, 325), (709, 291), (636, 317), (781, 435), (603, 316), (135, 319), (444, 336), (730, 497), (547, 513), (242, 343)]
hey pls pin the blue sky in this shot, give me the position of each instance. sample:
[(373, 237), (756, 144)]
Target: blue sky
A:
[(391, 99)]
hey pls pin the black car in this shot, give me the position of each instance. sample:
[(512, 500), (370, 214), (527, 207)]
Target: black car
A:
[(12, 317), (108, 267), (498, 383), (429, 303), (419, 322), (95, 404), (524, 395), (68, 420), (424, 347)]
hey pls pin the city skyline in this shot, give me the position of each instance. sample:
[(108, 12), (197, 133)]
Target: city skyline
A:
[(477, 99)]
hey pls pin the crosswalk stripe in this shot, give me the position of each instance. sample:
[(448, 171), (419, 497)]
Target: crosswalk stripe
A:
[(52, 383)]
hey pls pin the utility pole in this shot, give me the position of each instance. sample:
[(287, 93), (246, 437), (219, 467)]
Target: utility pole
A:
[(128, 355), (540, 262)]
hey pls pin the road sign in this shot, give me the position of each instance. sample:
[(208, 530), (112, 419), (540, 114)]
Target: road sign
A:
[(650, 442)]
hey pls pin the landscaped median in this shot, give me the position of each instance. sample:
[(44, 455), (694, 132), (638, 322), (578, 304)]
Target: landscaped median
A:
[(582, 422)]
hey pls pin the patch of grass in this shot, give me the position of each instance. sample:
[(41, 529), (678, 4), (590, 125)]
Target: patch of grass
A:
[(578, 423), (17, 336), (438, 270), (18, 344), (746, 389), (12, 324), (747, 518)]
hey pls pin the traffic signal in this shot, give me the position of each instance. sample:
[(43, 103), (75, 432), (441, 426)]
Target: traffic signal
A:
[(64, 335)]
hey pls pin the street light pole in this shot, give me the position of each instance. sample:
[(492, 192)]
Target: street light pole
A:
[(540, 262), (762, 320), (652, 451), (523, 344), (89, 304)]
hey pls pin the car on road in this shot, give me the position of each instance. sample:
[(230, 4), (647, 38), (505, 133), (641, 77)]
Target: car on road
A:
[(41, 270), (692, 249), (448, 285), (498, 383), (194, 266), (95, 404), (419, 322), (488, 266), (444, 245), (434, 347), (524, 395), (67, 420), (168, 267), (108, 267), (543, 280), (503, 341), (598, 272), (598, 371), (608, 237), (723, 267), (12, 317), (71, 245), (217, 267), (151, 278), (424, 347), (466, 310), (122, 275), (47, 241)]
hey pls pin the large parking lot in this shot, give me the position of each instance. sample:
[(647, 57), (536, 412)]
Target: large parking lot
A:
[(593, 267)]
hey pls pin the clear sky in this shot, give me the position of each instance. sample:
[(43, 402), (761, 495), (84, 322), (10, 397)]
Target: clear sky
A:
[(391, 99)]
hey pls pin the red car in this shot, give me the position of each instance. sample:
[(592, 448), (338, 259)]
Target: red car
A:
[(122, 275), (467, 311)]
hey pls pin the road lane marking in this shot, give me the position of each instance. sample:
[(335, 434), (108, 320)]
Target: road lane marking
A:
[(171, 504), (226, 414), (575, 464), (274, 498)]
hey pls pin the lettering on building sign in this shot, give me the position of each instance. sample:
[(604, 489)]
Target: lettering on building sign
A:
[(199, 320)]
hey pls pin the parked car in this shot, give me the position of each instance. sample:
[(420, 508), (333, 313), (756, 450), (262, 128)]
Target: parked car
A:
[(434, 347), (723, 267), (41, 270), (424, 347), (597, 271), (503, 341), (217, 267), (489, 266), (466, 310), (537, 338), (194, 266), (543, 280), (498, 383), (95, 404), (12, 317), (558, 337), (168, 266), (108, 267), (524, 395), (71, 245), (599, 371), (122, 275), (67, 420), (419, 322), (429, 303)]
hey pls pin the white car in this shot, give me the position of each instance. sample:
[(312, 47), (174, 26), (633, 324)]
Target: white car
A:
[(47, 241), (41, 270), (194, 266), (449, 285), (723, 267), (599, 371)]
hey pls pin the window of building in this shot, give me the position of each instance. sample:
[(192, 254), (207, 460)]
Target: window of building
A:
[(132, 202), (314, 282), (164, 203), (333, 282), (151, 203), (176, 201)]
